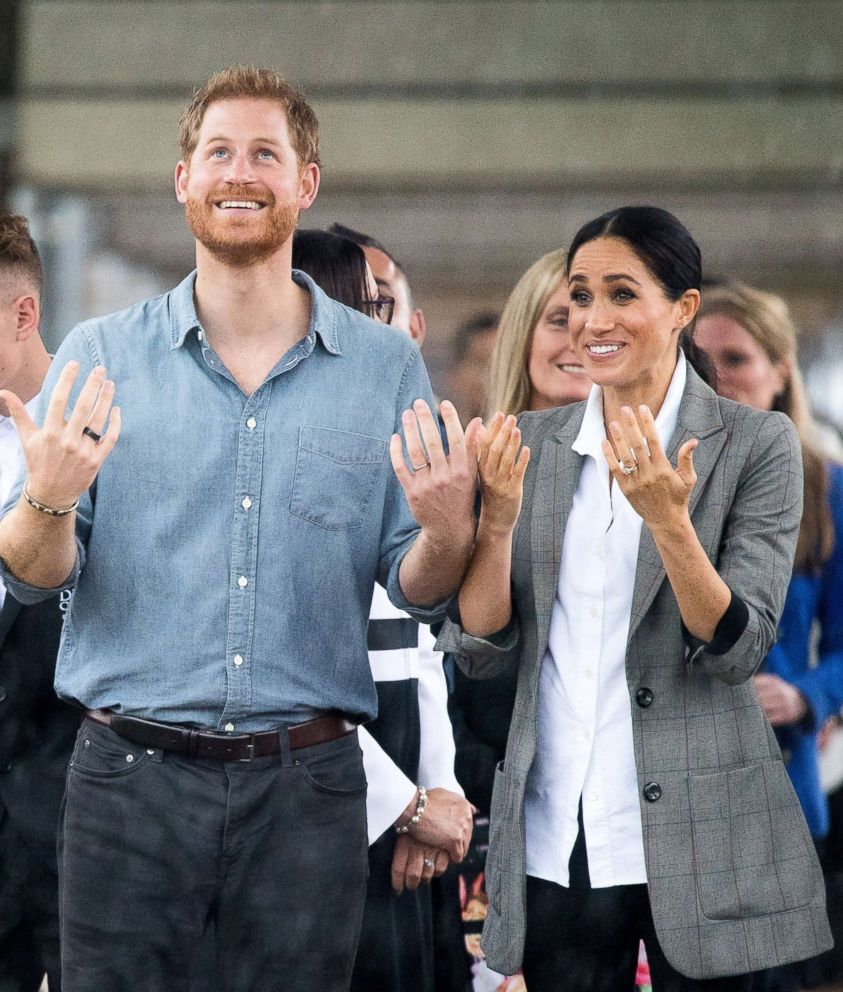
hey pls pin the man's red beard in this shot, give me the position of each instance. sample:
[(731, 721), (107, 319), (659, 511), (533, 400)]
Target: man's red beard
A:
[(241, 241)]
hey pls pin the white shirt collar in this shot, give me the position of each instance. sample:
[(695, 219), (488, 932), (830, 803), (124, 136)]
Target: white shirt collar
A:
[(592, 433)]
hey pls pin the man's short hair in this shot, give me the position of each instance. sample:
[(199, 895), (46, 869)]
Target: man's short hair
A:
[(480, 323), (243, 82), (18, 252)]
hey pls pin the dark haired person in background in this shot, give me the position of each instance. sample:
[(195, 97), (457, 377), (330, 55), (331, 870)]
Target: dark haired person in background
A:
[(391, 280), (643, 795), (36, 728), (411, 739)]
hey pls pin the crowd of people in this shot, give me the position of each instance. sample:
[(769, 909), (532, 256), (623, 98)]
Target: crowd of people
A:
[(306, 676)]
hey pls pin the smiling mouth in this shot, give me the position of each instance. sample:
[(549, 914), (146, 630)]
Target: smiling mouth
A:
[(573, 369), (603, 349), (240, 205)]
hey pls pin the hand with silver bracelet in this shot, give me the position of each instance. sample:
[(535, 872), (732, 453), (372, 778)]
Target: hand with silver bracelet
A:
[(446, 822)]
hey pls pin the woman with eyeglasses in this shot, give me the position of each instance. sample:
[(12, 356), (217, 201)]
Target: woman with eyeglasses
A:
[(633, 563), (339, 267)]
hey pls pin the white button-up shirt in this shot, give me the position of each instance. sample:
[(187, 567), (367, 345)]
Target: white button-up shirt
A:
[(11, 462), (585, 746)]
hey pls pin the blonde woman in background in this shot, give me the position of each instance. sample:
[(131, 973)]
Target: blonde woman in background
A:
[(533, 368), (751, 339), (533, 364)]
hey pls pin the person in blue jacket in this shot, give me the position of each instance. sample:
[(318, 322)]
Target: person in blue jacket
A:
[(751, 339)]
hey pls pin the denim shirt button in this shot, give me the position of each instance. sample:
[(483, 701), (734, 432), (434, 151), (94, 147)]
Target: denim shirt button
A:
[(238, 660), (229, 727), (251, 423), (242, 582), (246, 503)]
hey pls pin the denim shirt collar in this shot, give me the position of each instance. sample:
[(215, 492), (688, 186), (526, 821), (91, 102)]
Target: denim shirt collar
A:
[(324, 314)]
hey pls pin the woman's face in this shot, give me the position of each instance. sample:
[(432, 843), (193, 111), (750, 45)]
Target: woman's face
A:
[(623, 327), (555, 373), (744, 370)]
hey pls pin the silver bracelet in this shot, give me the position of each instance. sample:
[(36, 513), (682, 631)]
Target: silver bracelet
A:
[(49, 510), (421, 803)]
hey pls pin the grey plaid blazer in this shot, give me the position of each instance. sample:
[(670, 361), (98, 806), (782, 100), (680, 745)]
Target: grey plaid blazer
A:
[(733, 877)]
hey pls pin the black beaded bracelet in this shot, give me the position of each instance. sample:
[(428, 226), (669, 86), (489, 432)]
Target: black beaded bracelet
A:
[(421, 803), (49, 510)]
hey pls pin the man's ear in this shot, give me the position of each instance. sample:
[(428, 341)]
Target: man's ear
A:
[(181, 182), (308, 185), (27, 316), (418, 327)]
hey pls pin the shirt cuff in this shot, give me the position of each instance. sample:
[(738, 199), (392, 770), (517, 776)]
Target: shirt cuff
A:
[(727, 633)]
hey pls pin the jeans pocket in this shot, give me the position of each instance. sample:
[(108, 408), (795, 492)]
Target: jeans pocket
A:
[(103, 754), (335, 768), (336, 474)]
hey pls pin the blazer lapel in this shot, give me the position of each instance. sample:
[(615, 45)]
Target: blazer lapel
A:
[(556, 482), (699, 417)]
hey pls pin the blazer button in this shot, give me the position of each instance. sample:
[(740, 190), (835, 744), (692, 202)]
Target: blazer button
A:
[(652, 792), (644, 697)]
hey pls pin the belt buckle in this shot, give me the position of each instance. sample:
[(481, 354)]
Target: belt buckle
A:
[(250, 747)]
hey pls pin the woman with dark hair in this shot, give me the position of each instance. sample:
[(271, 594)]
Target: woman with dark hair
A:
[(339, 267), (643, 794)]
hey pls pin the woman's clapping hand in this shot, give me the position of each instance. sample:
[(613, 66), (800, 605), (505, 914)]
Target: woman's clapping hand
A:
[(502, 467)]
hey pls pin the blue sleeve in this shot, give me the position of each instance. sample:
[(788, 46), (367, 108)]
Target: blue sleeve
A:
[(822, 686), (77, 346), (400, 530)]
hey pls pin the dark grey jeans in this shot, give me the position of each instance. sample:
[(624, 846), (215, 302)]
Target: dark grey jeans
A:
[(155, 847)]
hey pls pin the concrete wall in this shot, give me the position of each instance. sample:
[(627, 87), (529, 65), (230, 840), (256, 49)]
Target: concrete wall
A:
[(471, 136)]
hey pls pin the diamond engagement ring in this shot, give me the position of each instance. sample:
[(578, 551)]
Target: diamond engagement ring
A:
[(428, 863), (627, 469)]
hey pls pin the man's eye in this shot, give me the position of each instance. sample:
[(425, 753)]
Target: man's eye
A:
[(218, 153), (265, 153)]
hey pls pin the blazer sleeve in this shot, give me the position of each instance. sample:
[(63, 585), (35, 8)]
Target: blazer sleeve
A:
[(480, 657), (758, 544)]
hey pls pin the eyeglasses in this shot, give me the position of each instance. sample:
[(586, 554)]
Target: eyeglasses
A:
[(380, 309)]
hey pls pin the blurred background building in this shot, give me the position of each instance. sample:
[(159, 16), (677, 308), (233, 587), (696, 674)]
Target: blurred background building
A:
[(469, 136)]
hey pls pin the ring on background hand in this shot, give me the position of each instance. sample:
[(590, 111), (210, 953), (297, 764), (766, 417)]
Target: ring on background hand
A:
[(428, 863), (420, 467), (92, 434), (627, 469)]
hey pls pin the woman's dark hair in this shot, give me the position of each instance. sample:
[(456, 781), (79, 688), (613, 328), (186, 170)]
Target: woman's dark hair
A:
[(667, 249), (336, 264)]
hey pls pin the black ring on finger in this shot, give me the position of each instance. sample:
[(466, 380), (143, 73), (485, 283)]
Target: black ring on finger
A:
[(96, 438)]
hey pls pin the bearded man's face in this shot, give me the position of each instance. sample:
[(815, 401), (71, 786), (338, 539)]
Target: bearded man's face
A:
[(241, 187)]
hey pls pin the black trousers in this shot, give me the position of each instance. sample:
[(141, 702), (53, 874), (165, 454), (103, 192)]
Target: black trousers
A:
[(156, 848), (581, 939), (29, 922)]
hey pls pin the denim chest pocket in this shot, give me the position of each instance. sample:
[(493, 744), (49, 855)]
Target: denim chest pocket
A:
[(336, 474)]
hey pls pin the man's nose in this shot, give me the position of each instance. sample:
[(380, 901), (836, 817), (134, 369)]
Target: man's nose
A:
[(240, 170)]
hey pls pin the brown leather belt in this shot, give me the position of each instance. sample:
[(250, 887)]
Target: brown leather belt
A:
[(221, 746)]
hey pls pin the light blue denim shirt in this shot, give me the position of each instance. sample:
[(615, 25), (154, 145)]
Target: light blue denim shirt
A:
[(228, 549)]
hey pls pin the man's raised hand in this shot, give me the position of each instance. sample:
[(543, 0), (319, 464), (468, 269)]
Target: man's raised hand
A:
[(62, 460), (440, 487)]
